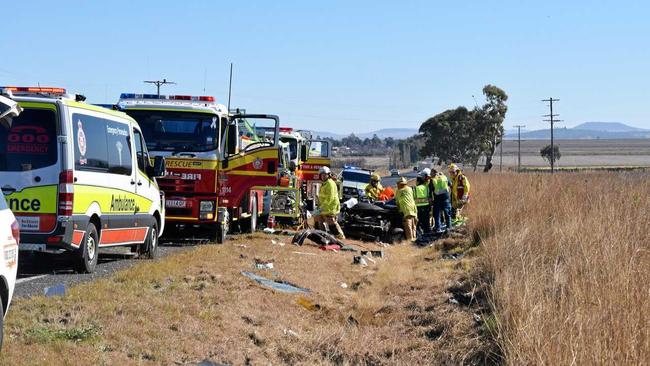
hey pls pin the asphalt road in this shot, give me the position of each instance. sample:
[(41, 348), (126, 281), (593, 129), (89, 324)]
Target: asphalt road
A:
[(392, 181), (38, 271)]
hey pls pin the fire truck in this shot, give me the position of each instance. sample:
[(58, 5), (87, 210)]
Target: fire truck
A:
[(216, 161)]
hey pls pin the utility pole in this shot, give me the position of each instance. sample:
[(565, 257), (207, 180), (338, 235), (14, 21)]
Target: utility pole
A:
[(159, 83), (519, 127), (552, 120)]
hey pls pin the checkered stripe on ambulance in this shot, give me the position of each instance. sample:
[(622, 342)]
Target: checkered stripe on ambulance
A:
[(78, 177)]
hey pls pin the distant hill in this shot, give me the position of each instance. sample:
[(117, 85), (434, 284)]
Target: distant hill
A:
[(585, 131), (396, 133)]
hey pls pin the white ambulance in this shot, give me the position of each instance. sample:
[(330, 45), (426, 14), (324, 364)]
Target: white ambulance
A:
[(78, 177)]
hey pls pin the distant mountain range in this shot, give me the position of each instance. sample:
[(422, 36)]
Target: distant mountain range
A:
[(396, 133), (585, 131)]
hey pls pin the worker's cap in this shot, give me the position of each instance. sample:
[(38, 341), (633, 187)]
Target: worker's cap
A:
[(324, 170), (402, 181), (375, 177), (426, 172), (453, 167)]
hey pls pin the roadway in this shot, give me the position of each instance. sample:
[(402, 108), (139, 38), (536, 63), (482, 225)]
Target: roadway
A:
[(389, 181), (38, 271)]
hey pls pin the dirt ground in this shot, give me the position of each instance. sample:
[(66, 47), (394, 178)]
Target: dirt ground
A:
[(415, 306)]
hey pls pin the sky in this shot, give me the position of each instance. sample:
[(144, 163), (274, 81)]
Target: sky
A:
[(345, 66)]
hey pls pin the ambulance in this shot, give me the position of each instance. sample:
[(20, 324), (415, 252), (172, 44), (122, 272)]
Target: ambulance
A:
[(78, 177)]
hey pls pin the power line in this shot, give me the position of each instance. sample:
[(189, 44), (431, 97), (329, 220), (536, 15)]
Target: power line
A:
[(552, 120), (519, 127), (159, 83)]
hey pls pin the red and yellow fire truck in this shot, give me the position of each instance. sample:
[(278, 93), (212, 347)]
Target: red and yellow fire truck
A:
[(215, 161)]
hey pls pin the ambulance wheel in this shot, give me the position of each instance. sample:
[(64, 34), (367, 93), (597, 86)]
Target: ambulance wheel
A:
[(251, 227), (150, 245), (88, 251)]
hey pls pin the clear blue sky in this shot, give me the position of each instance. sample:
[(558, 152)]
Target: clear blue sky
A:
[(345, 66)]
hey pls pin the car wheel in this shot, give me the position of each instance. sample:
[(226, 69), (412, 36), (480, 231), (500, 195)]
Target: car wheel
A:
[(88, 251), (151, 242)]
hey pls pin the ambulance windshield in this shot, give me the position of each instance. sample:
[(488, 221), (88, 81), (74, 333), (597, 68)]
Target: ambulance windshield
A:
[(178, 131), (30, 143)]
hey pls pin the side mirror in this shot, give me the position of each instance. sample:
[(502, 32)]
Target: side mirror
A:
[(231, 140), (303, 153), (158, 169), (8, 110)]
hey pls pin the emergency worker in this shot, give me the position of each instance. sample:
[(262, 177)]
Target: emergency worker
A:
[(329, 204), (422, 202), (374, 188), (459, 191), (441, 201), (406, 206)]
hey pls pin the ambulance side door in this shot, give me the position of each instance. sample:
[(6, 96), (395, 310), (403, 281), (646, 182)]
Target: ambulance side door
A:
[(145, 185)]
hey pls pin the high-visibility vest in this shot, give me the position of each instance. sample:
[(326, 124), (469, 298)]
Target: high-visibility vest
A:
[(421, 193), (440, 184)]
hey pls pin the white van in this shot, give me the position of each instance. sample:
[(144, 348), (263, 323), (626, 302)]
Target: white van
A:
[(78, 177)]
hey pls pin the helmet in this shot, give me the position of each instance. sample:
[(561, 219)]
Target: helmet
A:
[(375, 177), (453, 167), (426, 172), (324, 170), (402, 181)]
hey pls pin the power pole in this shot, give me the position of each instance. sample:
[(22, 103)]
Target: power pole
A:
[(159, 83), (552, 120), (519, 127)]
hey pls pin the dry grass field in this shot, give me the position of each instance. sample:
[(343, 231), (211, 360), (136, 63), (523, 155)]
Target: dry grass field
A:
[(579, 153), (569, 261), (410, 308)]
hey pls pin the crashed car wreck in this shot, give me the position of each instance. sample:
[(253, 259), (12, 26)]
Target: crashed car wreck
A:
[(379, 221)]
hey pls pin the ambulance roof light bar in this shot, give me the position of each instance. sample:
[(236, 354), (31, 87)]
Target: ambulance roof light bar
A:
[(34, 90)]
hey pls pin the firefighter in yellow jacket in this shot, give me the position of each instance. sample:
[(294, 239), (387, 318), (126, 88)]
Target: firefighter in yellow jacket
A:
[(329, 204), (459, 191), (374, 188), (406, 205)]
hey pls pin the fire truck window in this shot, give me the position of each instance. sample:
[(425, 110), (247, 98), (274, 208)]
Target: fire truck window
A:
[(31, 141)]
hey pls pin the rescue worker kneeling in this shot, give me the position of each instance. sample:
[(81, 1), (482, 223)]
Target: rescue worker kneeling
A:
[(421, 193), (329, 205), (374, 188), (406, 205), (459, 192)]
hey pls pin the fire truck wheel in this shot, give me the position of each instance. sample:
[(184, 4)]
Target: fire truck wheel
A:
[(151, 242), (88, 251), (252, 224)]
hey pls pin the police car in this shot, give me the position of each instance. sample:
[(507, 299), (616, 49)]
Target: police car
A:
[(78, 177)]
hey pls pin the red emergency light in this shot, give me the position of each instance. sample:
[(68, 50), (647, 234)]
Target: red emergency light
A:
[(35, 89), (286, 129)]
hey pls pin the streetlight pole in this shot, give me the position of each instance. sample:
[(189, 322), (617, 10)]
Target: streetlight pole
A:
[(519, 127), (552, 120)]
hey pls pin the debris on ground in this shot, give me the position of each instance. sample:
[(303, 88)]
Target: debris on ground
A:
[(344, 285), (291, 333), (275, 242), (357, 259), (268, 265), (453, 256), (373, 253), (303, 253), (56, 290), (317, 236), (276, 285), (307, 304), (332, 247)]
